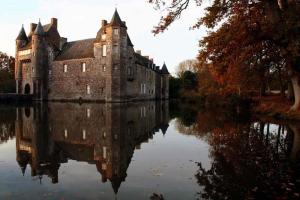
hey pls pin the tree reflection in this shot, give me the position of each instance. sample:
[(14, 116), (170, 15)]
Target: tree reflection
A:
[(250, 160)]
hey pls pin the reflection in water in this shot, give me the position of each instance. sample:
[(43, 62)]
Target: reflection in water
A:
[(236, 158), (251, 159), (105, 135)]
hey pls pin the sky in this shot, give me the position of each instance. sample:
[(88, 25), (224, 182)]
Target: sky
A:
[(81, 19)]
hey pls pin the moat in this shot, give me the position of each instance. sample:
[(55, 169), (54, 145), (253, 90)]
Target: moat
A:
[(131, 151)]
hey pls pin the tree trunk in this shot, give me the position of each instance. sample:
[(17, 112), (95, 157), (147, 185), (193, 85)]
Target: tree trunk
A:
[(296, 88)]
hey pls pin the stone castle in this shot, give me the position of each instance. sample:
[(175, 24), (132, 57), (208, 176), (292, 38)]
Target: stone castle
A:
[(105, 68)]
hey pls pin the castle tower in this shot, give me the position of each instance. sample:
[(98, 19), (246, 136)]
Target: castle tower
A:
[(111, 48), (165, 81), (39, 63), (21, 41)]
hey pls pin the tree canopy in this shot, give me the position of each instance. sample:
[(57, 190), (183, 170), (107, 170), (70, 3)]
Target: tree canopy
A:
[(246, 39)]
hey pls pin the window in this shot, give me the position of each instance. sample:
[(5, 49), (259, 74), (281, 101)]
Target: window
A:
[(50, 72), (88, 89), (144, 88), (104, 68), (84, 134), (104, 152), (66, 133), (115, 66), (101, 90), (83, 67), (116, 31), (88, 113), (115, 49), (104, 50), (103, 36), (141, 88), (65, 68)]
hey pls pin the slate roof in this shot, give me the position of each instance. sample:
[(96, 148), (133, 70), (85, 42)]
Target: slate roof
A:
[(116, 20), (129, 43), (141, 60), (22, 35), (39, 30), (77, 49), (164, 69)]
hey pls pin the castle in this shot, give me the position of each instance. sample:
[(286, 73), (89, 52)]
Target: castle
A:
[(105, 68)]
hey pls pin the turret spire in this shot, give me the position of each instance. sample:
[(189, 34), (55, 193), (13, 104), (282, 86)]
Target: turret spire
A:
[(164, 69), (22, 35), (39, 29), (116, 20)]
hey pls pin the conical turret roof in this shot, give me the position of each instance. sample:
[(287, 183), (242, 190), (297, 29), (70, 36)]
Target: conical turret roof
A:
[(39, 29), (164, 69), (116, 20), (22, 35)]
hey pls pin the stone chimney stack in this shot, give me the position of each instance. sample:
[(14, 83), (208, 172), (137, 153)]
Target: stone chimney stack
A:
[(54, 22), (139, 52), (32, 27), (103, 23)]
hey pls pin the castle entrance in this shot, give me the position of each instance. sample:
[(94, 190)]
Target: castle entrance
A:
[(27, 89)]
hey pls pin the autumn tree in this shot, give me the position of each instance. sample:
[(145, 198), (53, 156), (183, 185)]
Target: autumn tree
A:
[(253, 28)]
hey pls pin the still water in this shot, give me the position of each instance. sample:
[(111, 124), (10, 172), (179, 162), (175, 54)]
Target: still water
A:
[(133, 151)]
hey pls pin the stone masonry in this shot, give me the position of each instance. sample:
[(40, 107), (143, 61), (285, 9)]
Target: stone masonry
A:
[(105, 68)]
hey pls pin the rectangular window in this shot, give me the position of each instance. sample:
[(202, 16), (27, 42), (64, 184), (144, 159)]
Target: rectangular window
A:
[(66, 133), (88, 89), (83, 134), (144, 88), (65, 68), (115, 49), (141, 88), (50, 72), (88, 113), (104, 50), (104, 68), (116, 31), (104, 152), (83, 67)]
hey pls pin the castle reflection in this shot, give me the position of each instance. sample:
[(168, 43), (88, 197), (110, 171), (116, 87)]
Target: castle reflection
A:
[(104, 135)]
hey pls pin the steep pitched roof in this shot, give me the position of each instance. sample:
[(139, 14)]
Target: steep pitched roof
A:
[(116, 20), (129, 43), (39, 30), (164, 69), (77, 49), (46, 27), (22, 35)]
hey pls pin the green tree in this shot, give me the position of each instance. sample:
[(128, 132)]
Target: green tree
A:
[(7, 81)]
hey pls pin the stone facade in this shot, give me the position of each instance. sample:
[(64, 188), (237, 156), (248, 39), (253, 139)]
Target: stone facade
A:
[(105, 68)]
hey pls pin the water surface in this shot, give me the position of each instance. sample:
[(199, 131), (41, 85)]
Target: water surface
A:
[(131, 151)]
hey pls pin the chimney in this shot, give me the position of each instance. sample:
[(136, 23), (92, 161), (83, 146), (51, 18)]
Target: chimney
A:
[(62, 42), (103, 23), (147, 57), (124, 23), (54, 22), (139, 52), (32, 27)]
